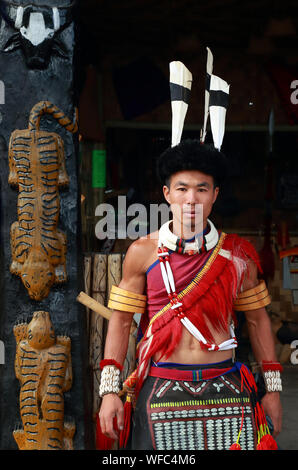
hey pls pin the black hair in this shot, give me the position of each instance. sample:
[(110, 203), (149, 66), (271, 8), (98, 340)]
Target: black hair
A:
[(191, 154)]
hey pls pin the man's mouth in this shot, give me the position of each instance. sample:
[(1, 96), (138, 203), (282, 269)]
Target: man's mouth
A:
[(192, 213)]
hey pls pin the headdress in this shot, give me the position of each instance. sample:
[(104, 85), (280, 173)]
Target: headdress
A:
[(180, 86), (216, 101)]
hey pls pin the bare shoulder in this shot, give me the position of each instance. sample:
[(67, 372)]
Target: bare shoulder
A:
[(139, 252), (251, 276)]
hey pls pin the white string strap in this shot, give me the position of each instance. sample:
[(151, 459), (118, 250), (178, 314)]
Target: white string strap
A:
[(169, 283)]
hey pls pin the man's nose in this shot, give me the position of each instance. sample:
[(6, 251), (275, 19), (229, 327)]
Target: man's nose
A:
[(192, 197)]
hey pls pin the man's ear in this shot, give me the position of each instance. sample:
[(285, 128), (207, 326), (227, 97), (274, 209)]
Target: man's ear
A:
[(216, 191), (166, 193)]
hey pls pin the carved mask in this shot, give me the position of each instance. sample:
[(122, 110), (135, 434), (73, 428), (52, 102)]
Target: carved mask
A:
[(37, 31)]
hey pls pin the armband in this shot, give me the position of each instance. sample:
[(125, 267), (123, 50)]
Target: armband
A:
[(252, 299), (126, 301)]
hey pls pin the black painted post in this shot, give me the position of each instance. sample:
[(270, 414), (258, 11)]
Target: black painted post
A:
[(33, 69)]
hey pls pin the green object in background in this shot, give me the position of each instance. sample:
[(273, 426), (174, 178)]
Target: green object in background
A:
[(98, 168)]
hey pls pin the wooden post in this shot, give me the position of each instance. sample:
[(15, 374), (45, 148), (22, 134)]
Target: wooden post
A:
[(87, 284), (96, 325), (51, 79), (107, 271), (114, 271)]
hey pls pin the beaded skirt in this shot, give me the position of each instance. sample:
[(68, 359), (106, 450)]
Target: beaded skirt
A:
[(201, 414)]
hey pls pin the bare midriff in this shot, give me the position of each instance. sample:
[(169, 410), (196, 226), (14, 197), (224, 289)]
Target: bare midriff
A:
[(189, 351)]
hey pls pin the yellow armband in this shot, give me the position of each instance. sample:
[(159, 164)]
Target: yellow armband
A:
[(252, 299), (126, 301)]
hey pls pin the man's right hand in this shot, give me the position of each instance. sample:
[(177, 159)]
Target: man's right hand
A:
[(111, 407)]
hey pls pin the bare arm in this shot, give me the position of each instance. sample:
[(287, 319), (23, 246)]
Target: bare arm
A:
[(262, 343), (118, 333)]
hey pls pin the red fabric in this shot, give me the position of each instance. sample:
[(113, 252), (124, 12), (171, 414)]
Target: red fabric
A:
[(270, 365), (110, 362), (184, 269), (176, 374)]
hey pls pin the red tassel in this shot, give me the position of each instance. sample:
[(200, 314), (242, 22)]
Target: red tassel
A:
[(124, 434), (267, 443), (235, 446), (102, 442)]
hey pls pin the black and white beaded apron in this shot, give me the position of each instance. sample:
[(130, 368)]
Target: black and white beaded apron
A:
[(193, 415)]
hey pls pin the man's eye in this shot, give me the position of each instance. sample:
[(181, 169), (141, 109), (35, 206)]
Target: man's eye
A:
[(181, 189)]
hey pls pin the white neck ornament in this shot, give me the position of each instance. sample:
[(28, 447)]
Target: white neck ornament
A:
[(199, 245)]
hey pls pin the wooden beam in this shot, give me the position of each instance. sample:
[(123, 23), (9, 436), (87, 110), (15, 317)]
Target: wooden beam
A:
[(92, 304)]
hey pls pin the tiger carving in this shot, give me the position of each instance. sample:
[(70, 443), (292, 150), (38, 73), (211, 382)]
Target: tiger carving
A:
[(37, 169), (43, 368)]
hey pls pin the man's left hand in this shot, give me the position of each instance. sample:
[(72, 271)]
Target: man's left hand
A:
[(272, 407)]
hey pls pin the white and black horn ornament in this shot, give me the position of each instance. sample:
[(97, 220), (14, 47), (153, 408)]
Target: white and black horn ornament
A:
[(180, 87), (216, 103), (207, 88)]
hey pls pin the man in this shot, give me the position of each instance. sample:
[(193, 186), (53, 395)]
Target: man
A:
[(190, 393)]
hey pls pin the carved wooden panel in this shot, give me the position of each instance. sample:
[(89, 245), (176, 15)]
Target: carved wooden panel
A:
[(37, 168), (44, 370)]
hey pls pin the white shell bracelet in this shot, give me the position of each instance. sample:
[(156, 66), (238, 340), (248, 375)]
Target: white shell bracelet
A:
[(272, 381), (109, 380)]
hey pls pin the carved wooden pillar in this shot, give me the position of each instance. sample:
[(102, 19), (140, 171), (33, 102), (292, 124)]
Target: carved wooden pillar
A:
[(37, 64)]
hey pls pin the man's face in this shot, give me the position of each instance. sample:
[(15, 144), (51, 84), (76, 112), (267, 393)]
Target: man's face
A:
[(191, 196)]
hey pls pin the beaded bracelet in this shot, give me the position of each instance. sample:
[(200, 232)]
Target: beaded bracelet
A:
[(271, 374), (109, 381)]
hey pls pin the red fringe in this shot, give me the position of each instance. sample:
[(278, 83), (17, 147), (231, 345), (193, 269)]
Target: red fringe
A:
[(248, 378), (216, 304), (243, 249), (124, 434)]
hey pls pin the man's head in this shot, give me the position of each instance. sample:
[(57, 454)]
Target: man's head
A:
[(190, 154), (191, 174)]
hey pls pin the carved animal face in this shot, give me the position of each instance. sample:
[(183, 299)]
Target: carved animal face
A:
[(40, 332), (37, 29), (37, 275)]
